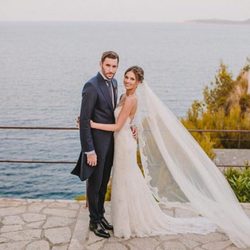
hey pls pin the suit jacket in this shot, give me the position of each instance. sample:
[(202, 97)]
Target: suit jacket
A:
[(97, 106)]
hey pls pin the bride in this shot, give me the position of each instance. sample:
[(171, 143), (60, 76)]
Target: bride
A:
[(177, 173)]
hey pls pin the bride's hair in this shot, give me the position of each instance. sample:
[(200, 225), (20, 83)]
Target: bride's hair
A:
[(138, 71)]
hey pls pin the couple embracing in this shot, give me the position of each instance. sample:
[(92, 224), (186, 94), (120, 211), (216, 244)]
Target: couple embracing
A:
[(177, 171)]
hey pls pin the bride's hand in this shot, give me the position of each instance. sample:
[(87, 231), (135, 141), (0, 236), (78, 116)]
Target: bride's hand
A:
[(92, 124)]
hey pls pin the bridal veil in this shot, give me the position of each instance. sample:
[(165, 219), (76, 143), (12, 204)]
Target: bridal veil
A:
[(179, 172)]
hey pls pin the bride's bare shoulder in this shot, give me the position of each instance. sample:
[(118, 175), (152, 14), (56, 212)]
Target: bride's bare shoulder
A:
[(131, 99)]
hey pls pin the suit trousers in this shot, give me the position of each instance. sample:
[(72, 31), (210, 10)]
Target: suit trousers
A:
[(97, 185)]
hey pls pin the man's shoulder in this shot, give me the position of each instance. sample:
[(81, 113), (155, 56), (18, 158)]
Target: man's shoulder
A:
[(92, 82)]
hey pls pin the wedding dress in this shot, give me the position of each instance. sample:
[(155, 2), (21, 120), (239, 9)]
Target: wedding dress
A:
[(134, 210), (178, 173)]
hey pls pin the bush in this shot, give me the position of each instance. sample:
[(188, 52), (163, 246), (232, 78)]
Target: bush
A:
[(225, 106), (239, 181)]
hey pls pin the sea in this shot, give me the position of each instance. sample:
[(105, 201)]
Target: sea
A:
[(44, 65)]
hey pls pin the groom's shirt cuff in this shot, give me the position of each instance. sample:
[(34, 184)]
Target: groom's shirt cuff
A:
[(90, 152)]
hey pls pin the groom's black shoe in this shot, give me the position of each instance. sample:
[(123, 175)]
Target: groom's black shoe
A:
[(105, 224), (98, 230)]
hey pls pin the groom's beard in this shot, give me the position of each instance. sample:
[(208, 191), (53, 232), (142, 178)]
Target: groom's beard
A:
[(110, 75)]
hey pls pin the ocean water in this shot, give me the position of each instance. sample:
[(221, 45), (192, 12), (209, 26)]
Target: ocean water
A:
[(43, 67)]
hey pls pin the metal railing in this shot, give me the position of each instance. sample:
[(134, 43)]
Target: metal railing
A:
[(240, 139), (38, 128)]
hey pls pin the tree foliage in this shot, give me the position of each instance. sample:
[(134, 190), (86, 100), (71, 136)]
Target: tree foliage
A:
[(225, 106)]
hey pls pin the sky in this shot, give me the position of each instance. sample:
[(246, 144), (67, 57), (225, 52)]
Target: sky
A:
[(123, 10)]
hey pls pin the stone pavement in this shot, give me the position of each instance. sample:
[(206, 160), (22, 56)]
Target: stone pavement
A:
[(63, 224)]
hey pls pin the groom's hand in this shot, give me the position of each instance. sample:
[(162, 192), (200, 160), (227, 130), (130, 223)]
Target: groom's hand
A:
[(78, 122), (92, 159)]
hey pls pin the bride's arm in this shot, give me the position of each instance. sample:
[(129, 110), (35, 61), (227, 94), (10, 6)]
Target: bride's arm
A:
[(124, 114)]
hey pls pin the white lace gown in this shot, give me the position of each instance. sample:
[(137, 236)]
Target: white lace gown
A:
[(134, 211)]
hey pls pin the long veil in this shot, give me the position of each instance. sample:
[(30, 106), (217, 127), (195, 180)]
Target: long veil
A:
[(179, 172)]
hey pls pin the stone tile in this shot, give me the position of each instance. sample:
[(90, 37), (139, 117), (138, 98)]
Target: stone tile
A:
[(23, 235), (12, 210), (37, 224), (58, 235), (74, 206), (147, 243), (198, 248), (38, 245), (217, 245), (33, 217), (167, 237), (14, 246), (36, 207), (13, 220), (81, 231), (48, 201), (66, 201), (34, 200), (232, 247), (3, 240), (58, 222), (211, 237), (58, 205), (116, 246), (61, 216), (173, 245), (60, 212), (97, 245), (189, 243), (64, 247), (107, 206), (93, 239), (115, 239), (10, 228), (76, 245)]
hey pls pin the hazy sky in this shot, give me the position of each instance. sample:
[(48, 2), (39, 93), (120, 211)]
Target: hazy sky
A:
[(123, 10)]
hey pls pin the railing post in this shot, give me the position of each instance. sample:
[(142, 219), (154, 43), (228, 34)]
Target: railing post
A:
[(239, 138)]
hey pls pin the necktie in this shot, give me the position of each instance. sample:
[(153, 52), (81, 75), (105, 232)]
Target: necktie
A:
[(110, 88)]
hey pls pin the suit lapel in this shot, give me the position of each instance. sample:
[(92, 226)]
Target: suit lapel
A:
[(103, 87)]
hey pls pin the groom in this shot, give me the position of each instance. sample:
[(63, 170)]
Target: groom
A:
[(99, 97)]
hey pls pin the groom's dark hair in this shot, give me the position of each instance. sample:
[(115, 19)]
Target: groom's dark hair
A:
[(109, 54)]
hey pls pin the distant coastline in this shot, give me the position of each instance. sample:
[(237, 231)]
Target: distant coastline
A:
[(219, 21)]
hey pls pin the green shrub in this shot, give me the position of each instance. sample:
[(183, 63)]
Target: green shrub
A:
[(225, 106), (239, 181)]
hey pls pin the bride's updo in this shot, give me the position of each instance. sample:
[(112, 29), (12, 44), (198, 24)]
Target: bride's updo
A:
[(138, 71)]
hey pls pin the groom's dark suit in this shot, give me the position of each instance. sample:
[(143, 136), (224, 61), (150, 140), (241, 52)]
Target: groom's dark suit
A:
[(97, 106)]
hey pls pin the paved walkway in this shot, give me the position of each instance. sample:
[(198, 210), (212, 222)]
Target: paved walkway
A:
[(63, 224)]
